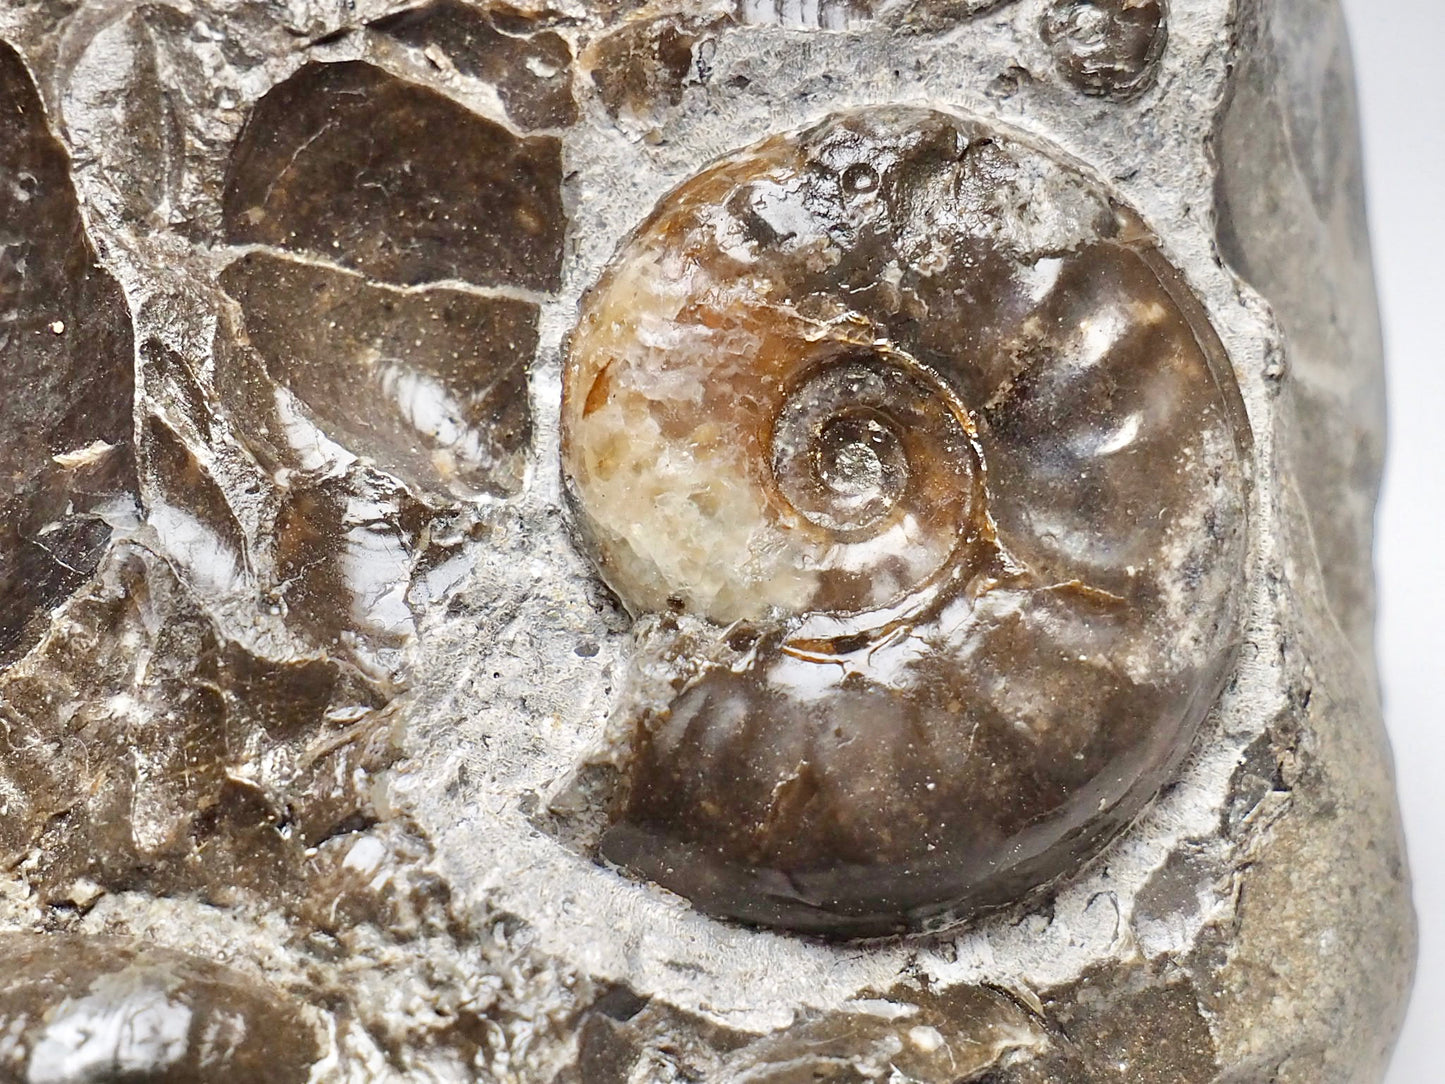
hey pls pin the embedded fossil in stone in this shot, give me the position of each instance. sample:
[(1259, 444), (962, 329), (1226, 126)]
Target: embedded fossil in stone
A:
[(131, 736), (943, 469), (531, 66), (847, 14), (642, 68), (1107, 48), (67, 452), (324, 683), (339, 160), (430, 385), (345, 550), (823, 15), (86, 1009)]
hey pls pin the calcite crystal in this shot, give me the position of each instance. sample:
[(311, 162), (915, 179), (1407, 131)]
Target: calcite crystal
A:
[(891, 467)]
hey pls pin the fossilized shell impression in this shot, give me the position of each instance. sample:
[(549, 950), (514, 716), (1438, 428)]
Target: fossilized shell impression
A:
[(922, 430)]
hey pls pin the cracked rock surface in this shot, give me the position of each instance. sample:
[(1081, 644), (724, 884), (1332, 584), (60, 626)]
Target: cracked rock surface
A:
[(309, 689)]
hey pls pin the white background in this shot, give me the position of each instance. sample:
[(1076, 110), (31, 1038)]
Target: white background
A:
[(1400, 64)]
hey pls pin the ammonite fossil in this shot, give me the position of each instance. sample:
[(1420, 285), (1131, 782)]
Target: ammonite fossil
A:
[(924, 434), (1107, 48)]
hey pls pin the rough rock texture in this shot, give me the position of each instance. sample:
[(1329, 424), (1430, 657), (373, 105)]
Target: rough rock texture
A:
[(304, 677)]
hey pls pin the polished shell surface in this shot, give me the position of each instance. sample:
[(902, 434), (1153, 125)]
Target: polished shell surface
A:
[(936, 473)]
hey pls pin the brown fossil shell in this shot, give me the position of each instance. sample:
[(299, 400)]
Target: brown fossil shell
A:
[(1107, 48), (91, 1010), (922, 424)]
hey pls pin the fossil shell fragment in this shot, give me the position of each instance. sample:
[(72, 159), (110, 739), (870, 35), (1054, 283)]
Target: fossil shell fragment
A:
[(924, 427), (86, 1010), (66, 455), (1107, 48)]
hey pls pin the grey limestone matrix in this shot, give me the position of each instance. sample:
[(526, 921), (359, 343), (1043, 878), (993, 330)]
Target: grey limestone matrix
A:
[(748, 542)]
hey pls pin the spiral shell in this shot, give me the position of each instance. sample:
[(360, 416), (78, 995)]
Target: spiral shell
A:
[(919, 421)]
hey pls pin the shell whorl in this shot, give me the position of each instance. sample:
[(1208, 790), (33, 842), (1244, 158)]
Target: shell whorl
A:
[(925, 409)]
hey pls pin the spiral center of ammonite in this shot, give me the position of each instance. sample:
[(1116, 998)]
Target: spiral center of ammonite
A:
[(871, 449), (861, 464), (838, 457)]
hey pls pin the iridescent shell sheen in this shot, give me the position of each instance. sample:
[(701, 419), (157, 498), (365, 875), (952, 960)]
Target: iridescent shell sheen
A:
[(917, 426)]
